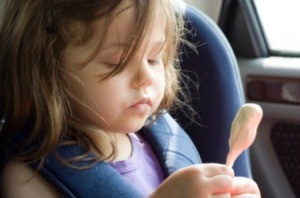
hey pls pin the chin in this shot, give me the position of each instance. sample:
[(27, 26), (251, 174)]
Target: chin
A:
[(133, 127)]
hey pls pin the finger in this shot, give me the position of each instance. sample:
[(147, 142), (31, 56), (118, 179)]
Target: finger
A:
[(220, 184), (212, 169), (224, 195), (242, 185), (245, 196)]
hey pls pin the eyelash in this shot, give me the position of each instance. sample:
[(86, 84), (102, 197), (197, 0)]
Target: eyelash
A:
[(111, 64), (153, 61)]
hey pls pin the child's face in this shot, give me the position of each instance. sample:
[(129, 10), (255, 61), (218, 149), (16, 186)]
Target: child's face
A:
[(123, 102)]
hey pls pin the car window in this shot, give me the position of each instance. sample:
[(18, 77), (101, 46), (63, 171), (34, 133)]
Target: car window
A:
[(280, 23)]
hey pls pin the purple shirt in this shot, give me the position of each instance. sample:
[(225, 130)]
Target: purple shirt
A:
[(142, 169)]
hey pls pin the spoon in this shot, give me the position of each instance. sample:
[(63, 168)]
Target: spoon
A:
[(243, 130)]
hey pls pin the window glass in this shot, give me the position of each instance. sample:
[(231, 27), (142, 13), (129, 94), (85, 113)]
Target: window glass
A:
[(281, 25)]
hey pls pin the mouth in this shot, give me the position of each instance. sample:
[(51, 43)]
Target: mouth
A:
[(142, 105)]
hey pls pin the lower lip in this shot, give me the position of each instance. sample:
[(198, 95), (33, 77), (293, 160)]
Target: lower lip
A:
[(140, 108)]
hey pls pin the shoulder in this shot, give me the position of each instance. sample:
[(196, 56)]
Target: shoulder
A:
[(19, 180)]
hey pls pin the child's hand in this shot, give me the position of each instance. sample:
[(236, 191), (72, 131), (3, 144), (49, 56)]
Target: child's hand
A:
[(207, 181), (203, 180)]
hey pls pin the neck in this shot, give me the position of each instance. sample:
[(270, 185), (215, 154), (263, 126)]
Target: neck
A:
[(123, 147)]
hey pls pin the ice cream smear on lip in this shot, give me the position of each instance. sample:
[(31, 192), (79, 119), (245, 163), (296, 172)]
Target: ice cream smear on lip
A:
[(243, 130)]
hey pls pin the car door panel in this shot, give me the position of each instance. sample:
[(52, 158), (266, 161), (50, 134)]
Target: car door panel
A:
[(274, 156)]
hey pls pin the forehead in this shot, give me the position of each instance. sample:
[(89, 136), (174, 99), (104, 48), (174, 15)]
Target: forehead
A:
[(126, 21), (118, 31)]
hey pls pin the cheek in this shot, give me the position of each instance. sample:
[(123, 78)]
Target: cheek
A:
[(98, 109), (88, 100), (160, 87), (170, 87), (102, 99)]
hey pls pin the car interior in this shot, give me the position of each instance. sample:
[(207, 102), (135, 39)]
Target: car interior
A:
[(233, 65), (271, 79), (219, 94)]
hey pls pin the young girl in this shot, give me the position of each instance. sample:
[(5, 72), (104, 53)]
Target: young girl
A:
[(80, 78)]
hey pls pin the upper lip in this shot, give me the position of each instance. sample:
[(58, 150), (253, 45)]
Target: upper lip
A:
[(144, 100)]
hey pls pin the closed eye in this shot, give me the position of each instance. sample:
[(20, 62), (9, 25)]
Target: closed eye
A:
[(111, 64)]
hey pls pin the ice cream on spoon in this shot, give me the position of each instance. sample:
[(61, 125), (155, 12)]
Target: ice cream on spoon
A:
[(243, 130)]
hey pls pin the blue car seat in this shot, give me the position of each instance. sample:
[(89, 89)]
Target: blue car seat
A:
[(220, 93)]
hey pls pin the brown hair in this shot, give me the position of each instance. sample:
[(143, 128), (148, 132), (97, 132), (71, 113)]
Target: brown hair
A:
[(33, 36)]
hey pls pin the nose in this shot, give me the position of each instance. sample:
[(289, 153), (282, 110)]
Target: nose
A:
[(143, 75)]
